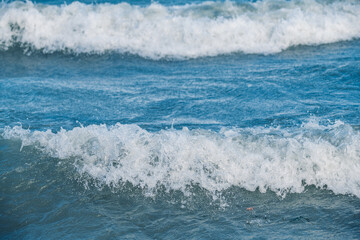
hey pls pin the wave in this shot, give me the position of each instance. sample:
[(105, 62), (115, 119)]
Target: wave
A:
[(188, 31), (283, 160)]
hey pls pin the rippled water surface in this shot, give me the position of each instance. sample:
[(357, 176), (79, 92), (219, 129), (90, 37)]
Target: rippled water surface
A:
[(180, 120)]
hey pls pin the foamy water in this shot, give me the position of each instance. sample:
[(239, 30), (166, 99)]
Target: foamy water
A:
[(188, 31), (174, 144), (282, 160)]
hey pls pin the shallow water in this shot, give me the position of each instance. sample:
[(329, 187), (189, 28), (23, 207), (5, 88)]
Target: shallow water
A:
[(176, 134)]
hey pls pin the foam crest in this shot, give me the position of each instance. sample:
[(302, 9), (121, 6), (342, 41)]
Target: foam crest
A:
[(276, 159), (189, 31)]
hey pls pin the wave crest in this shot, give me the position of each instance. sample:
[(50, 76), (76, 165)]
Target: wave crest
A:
[(189, 31), (281, 160)]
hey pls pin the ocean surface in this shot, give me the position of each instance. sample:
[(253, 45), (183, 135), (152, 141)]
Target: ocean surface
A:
[(180, 119)]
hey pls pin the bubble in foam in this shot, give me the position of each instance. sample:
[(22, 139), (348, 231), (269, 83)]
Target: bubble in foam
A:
[(276, 159), (188, 31)]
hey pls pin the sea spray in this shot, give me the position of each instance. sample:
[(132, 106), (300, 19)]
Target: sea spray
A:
[(278, 159), (188, 31)]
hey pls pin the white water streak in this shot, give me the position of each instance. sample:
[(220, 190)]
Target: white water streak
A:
[(281, 160), (189, 31)]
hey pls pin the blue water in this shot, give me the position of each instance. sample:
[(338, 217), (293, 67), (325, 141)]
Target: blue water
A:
[(172, 120)]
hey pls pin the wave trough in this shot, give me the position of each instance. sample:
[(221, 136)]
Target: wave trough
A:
[(277, 159), (188, 31)]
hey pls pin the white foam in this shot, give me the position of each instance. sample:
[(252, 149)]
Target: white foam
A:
[(281, 160), (189, 31)]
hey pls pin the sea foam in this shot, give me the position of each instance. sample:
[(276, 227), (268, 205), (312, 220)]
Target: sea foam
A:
[(187, 31), (282, 160)]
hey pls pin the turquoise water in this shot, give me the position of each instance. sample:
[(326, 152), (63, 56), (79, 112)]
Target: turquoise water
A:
[(180, 119)]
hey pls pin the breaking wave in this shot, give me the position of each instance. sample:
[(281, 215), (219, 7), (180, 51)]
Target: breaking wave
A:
[(188, 31), (282, 160)]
